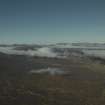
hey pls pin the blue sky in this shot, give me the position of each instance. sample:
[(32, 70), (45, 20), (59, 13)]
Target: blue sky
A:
[(51, 21)]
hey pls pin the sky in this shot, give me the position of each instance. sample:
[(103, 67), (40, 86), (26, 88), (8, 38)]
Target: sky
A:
[(52, 21)]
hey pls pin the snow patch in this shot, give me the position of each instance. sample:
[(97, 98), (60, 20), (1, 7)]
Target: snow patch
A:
[(51, 71)]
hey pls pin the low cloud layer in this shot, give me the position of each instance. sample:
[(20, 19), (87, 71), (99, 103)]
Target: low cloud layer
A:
[(51, 52), (43, 52)]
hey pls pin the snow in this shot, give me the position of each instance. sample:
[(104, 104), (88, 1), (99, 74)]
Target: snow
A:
[(51, 71)]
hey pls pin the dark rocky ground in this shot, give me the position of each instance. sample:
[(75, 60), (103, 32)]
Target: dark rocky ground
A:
[(83, 85)]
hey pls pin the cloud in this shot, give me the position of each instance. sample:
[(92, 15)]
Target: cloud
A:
[(42, 52)]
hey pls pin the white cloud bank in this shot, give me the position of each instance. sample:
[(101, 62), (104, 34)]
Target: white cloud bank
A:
[(43, 52), (48, 52)]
